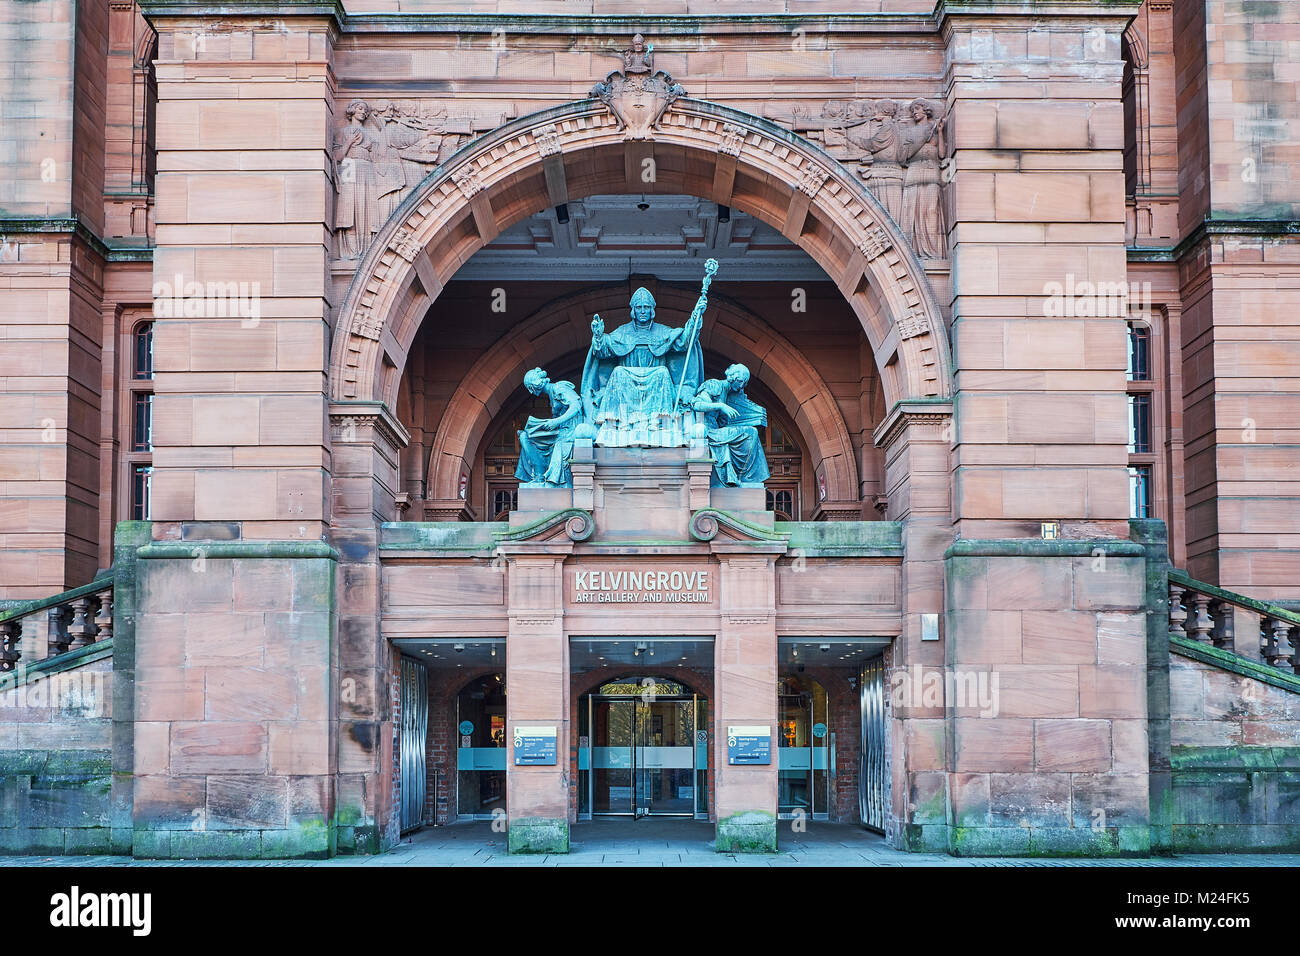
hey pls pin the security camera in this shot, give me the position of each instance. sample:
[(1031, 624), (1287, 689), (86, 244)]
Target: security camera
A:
[(823, 647), (458, 647)]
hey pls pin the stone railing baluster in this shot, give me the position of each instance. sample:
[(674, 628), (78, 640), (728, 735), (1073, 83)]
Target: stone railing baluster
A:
[(57, 619), (1279, 650), (104, 618), (82, 629), (11, 644), (74, 619), (1224, 614), (1200, 625), (1177, 615)]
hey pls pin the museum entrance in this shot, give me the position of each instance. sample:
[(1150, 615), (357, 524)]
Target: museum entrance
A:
[(643, 750), (805, 757)]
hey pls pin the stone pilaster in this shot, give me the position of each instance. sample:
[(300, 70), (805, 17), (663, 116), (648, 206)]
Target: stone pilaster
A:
[(745, 685), (244, 202), (537, 667), (1036, 130), (366, 440), (915, 440), (1045, 697), (51, 293), (235, 749)]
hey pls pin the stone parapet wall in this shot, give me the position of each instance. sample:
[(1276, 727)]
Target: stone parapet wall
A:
[(1235, 755), (56, 735), (235, 703)]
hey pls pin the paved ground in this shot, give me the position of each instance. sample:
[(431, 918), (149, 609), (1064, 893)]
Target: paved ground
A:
[(661, 843)]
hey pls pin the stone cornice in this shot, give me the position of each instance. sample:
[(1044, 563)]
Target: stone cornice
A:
[(374, 413), (665, 26), (35, 225), (1286, 229), (244, 8), (185, 550), (1110, 9), (919, 411), (1039, 548)]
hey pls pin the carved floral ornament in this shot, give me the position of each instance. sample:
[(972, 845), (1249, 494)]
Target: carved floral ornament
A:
[(840, 201)]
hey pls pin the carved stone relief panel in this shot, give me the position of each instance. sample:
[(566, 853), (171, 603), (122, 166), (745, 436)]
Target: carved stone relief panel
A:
[(383, 150), (898, 149)]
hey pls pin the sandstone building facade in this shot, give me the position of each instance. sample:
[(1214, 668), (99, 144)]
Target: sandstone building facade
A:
[(1017, 283)]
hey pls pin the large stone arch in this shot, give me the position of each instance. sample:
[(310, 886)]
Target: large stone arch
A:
[(578, 149), (563, 327)]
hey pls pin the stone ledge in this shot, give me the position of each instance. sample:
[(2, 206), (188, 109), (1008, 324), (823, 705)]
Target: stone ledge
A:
[(1236, 759), (184, 551), (1038, 548), (1051, 841)]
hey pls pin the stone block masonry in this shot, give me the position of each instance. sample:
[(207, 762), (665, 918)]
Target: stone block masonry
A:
[(236, 744)]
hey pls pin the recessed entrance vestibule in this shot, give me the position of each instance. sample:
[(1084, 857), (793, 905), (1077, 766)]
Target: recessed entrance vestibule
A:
[(643, 750)]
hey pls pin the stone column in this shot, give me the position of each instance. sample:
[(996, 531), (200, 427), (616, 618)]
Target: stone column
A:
[(745, 691), (1238, 122), (537, 694)]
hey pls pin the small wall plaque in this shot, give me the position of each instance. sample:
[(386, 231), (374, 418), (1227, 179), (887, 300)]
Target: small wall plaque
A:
[(534, 746)]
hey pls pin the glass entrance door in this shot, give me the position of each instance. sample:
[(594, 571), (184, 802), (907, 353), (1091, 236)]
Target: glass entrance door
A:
[(640, 755), (613, 726), (665, 757), (803, 750)]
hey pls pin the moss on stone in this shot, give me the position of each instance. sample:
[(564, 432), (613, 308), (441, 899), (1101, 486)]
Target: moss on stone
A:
[(538, 835), (844, 538), (749, 831)]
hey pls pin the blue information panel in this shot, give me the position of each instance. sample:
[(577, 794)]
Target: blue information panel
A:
[(749, 745), (534, 746)]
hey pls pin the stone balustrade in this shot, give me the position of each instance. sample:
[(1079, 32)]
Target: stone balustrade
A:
[(72, 620), (1253, 629)]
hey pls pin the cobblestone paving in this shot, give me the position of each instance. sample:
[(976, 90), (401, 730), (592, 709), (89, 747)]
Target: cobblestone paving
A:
[(662, 843)]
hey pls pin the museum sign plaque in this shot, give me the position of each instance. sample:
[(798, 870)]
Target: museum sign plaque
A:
[(641, 584)]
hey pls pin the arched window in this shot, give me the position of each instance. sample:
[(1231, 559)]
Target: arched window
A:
[(785, 462)]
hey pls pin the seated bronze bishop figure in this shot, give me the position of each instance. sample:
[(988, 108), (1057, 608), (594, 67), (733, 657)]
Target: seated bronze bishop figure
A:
[(642, 386)]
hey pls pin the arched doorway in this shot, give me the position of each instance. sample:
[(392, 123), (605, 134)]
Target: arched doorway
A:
[(579, 149), (643, 749)]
